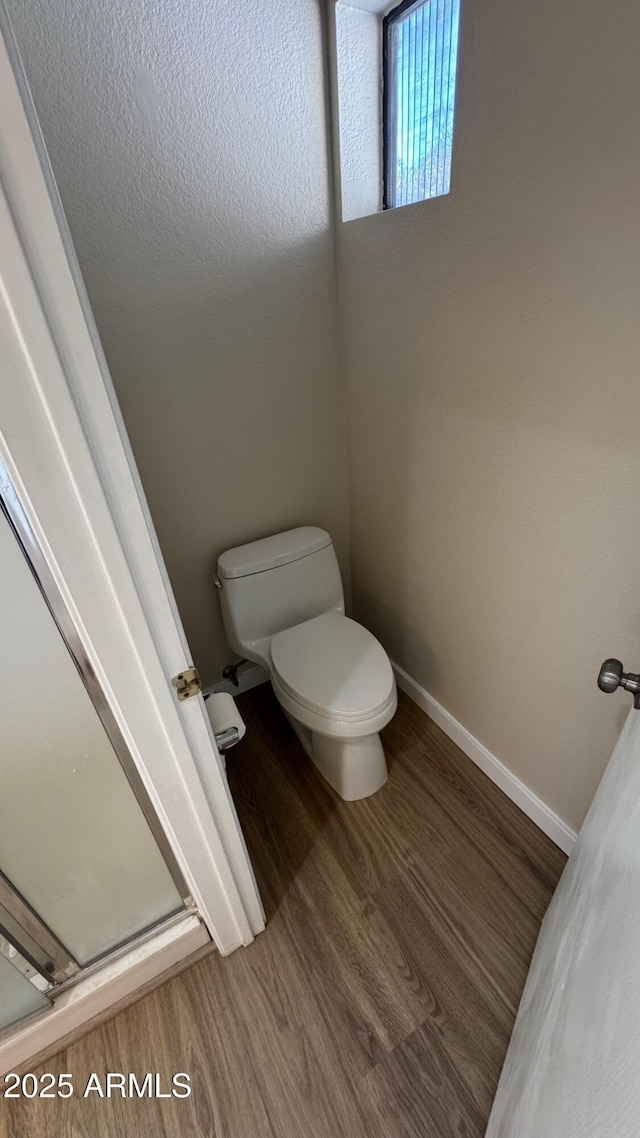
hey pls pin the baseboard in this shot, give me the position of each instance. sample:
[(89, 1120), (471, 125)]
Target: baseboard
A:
[(249, 676), (545, 818)]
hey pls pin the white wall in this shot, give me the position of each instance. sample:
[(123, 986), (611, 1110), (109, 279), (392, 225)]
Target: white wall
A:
[(358, 60), (189, 146), (492, 354)]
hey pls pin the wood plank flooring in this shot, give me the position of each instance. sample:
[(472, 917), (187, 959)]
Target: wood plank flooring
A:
[(379, 1001)]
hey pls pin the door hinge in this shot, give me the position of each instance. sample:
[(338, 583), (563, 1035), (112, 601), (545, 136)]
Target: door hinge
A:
[(187, 683)]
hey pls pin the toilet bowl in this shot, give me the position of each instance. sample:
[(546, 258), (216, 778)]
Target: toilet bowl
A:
[(334, 681), (283, 608)]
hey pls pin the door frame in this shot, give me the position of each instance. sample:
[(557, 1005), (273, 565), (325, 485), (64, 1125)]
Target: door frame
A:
[(65, 448)]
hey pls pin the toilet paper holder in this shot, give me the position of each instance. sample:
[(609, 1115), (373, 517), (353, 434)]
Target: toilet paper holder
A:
[(226, 721), (227, 739)]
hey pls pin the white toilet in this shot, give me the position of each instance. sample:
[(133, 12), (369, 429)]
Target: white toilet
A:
[(283, 608)]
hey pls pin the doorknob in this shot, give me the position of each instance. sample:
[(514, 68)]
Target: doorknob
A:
[(612, 677)]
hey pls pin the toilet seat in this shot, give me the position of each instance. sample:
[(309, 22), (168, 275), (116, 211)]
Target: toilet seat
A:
[(333, 675)]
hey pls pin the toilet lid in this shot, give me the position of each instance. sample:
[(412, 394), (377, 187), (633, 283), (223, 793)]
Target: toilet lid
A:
[(333, 666)]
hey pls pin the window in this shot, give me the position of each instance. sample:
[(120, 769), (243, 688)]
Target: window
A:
[(420, 44)]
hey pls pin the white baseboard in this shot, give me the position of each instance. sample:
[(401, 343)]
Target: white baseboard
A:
[(529, 803), (249, 676)]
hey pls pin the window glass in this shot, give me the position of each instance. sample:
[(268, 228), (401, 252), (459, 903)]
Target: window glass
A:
[(420, 51)]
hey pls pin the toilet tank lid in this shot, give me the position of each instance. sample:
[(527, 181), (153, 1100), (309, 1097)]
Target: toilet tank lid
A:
[(270, 552)]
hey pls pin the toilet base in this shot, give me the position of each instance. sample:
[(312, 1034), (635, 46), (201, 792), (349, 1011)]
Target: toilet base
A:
[(355, 768)]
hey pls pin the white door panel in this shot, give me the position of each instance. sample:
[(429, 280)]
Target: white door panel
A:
[(573, 1065)]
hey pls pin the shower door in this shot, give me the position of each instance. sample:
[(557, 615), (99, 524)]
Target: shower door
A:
[(22, 992), (81, 870), (101, 802)]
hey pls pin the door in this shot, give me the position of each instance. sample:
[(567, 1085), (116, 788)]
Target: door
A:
[(22, 989), (73, 499), (74, 841), (572, 1068)]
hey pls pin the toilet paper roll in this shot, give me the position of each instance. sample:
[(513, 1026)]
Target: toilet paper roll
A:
[(224, 714)]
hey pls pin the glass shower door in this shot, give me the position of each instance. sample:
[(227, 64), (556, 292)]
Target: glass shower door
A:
[(81, 872), (19, 996)]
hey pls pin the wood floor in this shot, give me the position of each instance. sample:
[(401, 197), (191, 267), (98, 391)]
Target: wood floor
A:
[(379, 1001)]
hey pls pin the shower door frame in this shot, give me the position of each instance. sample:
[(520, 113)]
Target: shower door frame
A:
[(69, 462)]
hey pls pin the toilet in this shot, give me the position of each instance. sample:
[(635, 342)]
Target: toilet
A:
[(283, 608)]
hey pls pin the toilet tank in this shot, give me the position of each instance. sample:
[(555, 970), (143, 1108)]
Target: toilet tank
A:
[(275, 583)]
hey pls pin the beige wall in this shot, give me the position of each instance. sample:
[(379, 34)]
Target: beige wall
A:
[(189, 145), (492, 348), (491, 338)]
